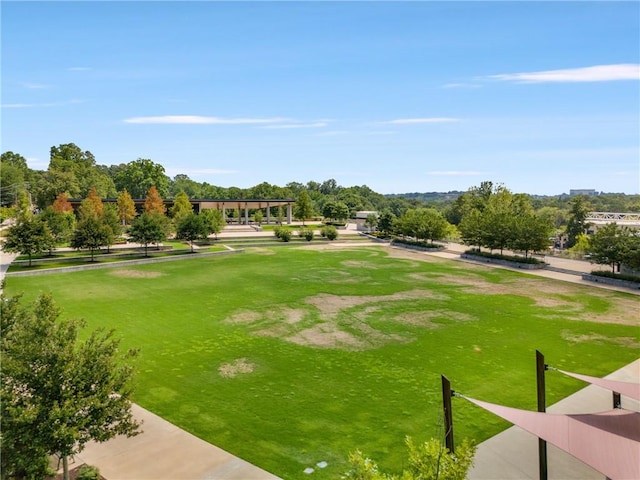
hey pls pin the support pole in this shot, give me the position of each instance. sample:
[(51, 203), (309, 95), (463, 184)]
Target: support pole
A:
[(448, 417), (542, 445), (617, 401)]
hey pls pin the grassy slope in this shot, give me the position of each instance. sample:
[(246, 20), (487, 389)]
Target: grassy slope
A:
[(302, 405)]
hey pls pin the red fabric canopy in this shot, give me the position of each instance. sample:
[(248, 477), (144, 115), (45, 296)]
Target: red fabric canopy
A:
[(625, 388), (608, 441)]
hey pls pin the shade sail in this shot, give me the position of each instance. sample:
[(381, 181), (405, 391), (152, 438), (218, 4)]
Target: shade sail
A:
[(625, 388), (608, 441)]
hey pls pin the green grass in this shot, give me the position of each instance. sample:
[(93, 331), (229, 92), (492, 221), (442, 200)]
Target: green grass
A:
[(303, 404)]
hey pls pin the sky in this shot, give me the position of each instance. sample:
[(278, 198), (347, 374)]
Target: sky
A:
[(415, 96)]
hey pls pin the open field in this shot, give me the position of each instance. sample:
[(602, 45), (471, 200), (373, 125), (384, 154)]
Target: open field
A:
[(291, 356)]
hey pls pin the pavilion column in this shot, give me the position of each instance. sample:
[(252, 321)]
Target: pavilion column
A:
[(224, 213), (246, 214), (289, 213), (268, 213)]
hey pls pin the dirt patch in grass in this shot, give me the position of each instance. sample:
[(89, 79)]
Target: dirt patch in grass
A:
[(135, 273), (360, 264), (237, 367), (597, 338), (261, 251), (244, 316), (426, 318)]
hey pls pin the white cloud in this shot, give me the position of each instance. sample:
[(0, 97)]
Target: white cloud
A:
[(35, 86), (299, 125), (597, 73), (30, 105), (455, 173), (201, 120), (415, 121)]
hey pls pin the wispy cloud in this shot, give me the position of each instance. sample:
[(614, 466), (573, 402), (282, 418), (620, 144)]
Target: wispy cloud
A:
[(416, 121), (332, 133), (201, 120), (462, 85), (30, 105), (36, 86), (455, 173), (298, 125), (597, 73)]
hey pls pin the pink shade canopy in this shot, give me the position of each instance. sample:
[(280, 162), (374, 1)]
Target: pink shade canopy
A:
[(608, 441), (625, 388)]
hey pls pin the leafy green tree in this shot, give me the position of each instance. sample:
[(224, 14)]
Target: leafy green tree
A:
[(29, 236), (631, 255), (609, 245), (92, 234), (58, 392), (303, 208), (258, 216), (386, 222), (471, 228), (14, 174), (61, 224), (582, 245), (148, 228), (138, 176), (182, 183), (181, 207), (430, 460), (126, 207), (371, 221), (213, 220), (577, 223), (531, 233), (112, 222), (191, 228)]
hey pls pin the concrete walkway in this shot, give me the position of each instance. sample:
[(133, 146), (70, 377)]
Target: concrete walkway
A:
[(165, 452)]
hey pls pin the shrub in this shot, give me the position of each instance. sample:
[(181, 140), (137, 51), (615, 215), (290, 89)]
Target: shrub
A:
[(88, 472), (285, 235), (329, 232), (510, 258), (617, 276), (306, 233)]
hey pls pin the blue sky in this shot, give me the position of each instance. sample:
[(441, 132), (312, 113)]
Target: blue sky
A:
[(400, 96)]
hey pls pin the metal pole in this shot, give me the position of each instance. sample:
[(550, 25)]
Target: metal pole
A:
[(617, 401), (448, 417), (542, 445)]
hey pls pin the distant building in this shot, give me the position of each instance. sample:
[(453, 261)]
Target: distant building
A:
[(583, 191), (361, 219)]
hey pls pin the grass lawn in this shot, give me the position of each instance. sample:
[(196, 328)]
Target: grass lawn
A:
[(292, 356)]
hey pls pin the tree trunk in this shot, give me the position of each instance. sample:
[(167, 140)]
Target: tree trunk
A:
[(65, 468)]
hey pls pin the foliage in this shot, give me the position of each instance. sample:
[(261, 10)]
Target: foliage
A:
[(284, 234), (258, 217), (612, 245), (213, 220), (430, 460), (148, 228), (92, 234), (329, 231), (190, 228), (335, 210), (29, 236), (88, 472), (303, 209), (306, 233), (61, 224), (126, 207), (91, 206), (422, 224), (500, 256), (80, 391), (61, 204), (386, 222), (153, 202), (416, 243), (138, 176), (181, 207), (577, 223), (111, 220), (372, 221)]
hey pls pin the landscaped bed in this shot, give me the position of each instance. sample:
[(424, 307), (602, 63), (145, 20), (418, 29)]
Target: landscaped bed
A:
[(292, 356)]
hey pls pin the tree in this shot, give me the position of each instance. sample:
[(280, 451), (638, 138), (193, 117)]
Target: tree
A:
[(61, 224), (577, 223), (148, 228), (58, 393), (430, 460), (531, 233), (61, 204), (303, 209), (191, 228), (153, 203), (138, 176), (91, 233), (14, 175), (181, 207), (213, 220), (112, 222), (385, 222), (29, 236), (258, 217), (372, 221), (91, 206), (609, 245), (126, 207)]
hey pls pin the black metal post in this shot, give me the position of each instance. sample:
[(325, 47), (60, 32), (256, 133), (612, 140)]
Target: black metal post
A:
[(542, 445), (617, 401), (448, 417)]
